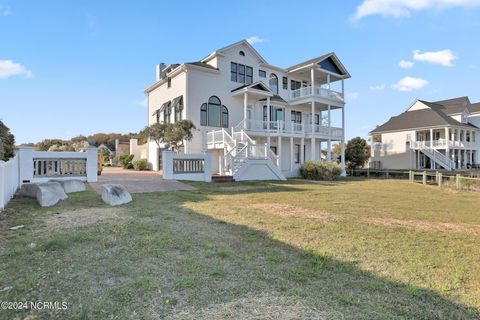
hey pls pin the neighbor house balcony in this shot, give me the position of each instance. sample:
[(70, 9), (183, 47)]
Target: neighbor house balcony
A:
[(325, 95), (443, 144), (285, 128)]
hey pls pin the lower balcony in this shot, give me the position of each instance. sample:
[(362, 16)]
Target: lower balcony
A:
[(280, 127)]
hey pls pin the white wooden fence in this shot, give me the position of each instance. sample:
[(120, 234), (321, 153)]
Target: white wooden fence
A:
[(9, 180), (30, 166), (187, 166)]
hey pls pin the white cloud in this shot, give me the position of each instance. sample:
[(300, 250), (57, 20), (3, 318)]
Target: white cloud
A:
[(353, 95), (8, 69), (409, 84), (255, 39), (442, 57), (404, 8), (405, 64), (377, 87), (5, 10)]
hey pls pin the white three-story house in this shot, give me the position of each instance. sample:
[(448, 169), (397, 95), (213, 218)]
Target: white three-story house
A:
[(246, 109)]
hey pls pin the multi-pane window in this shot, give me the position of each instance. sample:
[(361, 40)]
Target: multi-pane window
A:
[(262, 73), (297, 153), (213, 113), (169, 82), (167, 112), (241, 73), (296, 116), (157, 114), (178, 109), (317, 118), (285, 83), (294, 85)]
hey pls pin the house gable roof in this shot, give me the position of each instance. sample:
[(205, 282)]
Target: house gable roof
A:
[(242, 43), (474, 108), (259, 85), (328, 62), (433, 116), (455, 105)]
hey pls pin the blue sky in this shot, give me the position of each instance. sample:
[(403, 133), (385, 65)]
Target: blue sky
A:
[(80, 67)]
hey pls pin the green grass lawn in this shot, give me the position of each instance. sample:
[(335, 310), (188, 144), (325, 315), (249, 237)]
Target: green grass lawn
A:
[(360, 249)]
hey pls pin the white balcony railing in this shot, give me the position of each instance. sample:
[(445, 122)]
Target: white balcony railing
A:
[(318, 91), (282, 127), (442, 144)]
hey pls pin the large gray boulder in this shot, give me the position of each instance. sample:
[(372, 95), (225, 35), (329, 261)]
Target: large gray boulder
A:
[(50, 193), (47, 193), (71, 185), (115, 194), (29, 190)]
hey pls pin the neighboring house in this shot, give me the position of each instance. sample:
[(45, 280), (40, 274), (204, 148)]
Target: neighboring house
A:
[(429, 135), (139, 151), (245, 109)]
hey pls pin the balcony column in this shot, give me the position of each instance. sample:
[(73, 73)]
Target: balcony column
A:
[(279, 150), (292, 154), (329, 142), (343, 90), (328, 81), (268, 122), (344, 173), (459, 159), (447, 143), (431, 138), (245, 103), (312, 147)]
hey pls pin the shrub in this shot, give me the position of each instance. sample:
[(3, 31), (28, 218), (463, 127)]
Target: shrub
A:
[(126, 161), (140, 164), (320, 170)]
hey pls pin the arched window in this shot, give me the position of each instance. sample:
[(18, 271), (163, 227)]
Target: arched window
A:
[(273, 83), (241, 53), (213, 113), (203, 115), (224, 117)]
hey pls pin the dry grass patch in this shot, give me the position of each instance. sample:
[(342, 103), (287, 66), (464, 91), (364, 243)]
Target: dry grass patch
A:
[(80, 218), (426, 226), (286, 210)]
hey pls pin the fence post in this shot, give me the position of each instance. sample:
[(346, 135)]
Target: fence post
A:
[(410, 176), (387, 175), (424, 177), (368, 172), (440, 179), (458, 183), (92, 164)]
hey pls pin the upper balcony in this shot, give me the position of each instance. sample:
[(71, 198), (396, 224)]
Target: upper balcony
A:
[(318, 92), (285, 128)]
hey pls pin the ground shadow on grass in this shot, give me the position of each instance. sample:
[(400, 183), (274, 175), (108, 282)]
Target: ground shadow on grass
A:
[(170, 261)]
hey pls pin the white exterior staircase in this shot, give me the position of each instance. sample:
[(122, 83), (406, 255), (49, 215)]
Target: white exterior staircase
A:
[(243, 158), (434, 155)]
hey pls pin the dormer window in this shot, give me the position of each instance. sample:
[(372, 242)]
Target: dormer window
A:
[(169, 82), (242, 53)]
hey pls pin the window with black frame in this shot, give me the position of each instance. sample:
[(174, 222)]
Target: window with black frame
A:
[(213, 113), (285, 83), (241, 73), (297, 153), (296, 116)]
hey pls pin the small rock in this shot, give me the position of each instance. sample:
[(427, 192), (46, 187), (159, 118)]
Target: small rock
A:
[(115, 194), (71, 185), (17, 227)]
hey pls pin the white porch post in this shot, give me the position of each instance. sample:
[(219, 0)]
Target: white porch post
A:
[(459, 160), (447, 143), (292, 154), (344, 173), (245, 103), (432, 162), (328, 81), (268, 122), (343, 89), (312, 79), (279, 150), (329, 142)]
